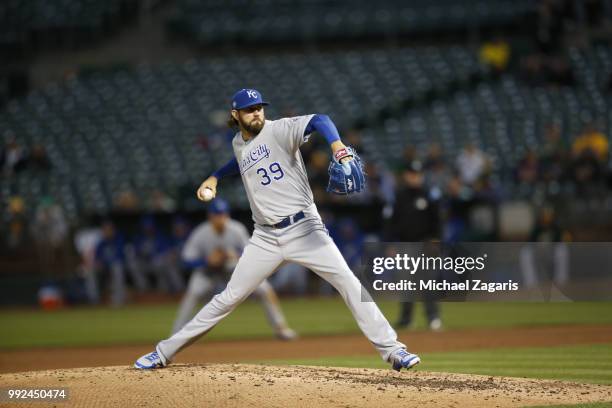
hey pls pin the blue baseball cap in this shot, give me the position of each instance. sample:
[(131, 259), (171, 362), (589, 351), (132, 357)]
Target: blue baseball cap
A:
[(218, 206), (247, 97)]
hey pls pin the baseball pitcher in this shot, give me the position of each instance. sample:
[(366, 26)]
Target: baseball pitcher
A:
[(288, 227)]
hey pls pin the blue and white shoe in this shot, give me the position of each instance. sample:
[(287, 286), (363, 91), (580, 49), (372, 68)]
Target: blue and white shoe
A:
[(286, 334), (150, 361), (403, 359)]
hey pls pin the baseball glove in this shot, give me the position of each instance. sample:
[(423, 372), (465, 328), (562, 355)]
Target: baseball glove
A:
[(346, 176)]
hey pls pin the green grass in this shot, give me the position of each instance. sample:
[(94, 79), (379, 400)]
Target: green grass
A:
[(327, 316), (140, 324), (584, 363)]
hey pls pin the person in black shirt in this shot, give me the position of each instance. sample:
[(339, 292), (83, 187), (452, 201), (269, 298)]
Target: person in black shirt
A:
[(416, 218)]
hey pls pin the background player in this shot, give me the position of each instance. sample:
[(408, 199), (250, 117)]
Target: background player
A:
[(212, 251), (151, 254), (288, 227), (109, 263)]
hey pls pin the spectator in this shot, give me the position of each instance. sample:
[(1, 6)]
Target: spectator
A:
[(550, 25), (161, 202), (127, 201), (559, 71), (591, 140), (409, 155), (353, 138), (495, 54), (527, 170), (381, 185), (437, 173), (434, 157), (540, 70), (471, 164), (586, 173), (38, 160), (554, 155), (15, 225), (317, 168), (50, 230), (13, 158)]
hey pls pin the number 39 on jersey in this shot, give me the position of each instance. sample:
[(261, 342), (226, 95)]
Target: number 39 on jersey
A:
[(275, 173)]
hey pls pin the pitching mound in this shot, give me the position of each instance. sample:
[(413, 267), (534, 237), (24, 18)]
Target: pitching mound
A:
[(228, 385)]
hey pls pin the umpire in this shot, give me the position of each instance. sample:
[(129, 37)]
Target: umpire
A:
[(416, 218)]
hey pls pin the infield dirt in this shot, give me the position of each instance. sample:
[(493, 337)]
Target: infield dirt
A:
[(214, 381), (240, 385)]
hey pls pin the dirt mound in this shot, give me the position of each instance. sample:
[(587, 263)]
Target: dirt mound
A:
[(229, 385)]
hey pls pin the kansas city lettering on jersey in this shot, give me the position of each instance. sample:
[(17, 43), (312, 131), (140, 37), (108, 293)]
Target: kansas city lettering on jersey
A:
[(253, 157)]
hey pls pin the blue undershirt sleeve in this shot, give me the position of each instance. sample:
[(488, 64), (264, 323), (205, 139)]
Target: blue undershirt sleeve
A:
[(192, 264), (324, 125), (229, 169)]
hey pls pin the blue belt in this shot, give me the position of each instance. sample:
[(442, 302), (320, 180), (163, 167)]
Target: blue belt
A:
[(285, 222)]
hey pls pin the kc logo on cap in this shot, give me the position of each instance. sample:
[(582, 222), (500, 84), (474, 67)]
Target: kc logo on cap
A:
[(247, 97)]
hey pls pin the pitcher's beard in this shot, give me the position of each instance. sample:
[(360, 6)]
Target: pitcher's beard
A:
[(254, 127)]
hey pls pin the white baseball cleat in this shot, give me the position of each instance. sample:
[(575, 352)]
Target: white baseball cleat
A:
[(435, 324), (403, 359), (150, 361), (286, 334)]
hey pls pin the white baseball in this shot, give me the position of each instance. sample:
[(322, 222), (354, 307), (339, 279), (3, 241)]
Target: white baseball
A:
[(208, 194)]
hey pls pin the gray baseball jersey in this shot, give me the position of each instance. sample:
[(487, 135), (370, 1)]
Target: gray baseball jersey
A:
[(204, 240), (274, 176), (273, 171)]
